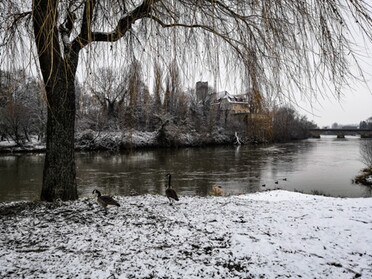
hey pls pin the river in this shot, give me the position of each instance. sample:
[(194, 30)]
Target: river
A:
[(326, 165)]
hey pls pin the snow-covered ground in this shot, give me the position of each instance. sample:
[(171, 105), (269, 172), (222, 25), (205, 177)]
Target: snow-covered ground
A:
[(11, 146), (276, 234)]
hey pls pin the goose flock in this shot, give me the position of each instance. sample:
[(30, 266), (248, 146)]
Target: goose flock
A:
[(171, 194), (106, 201)]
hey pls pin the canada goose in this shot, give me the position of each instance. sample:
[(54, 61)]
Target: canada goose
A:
[(104, 201), (217, 191), (171, 194)]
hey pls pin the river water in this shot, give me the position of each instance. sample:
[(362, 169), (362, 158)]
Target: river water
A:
[(326, 165)]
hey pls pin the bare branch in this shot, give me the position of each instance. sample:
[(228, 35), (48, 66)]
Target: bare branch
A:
[(124, 25)]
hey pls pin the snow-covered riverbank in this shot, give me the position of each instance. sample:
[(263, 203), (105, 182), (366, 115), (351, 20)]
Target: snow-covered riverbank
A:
[(114, 141), (276, 234)]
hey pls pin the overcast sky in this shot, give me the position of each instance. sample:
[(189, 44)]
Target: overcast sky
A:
[(354, 106)]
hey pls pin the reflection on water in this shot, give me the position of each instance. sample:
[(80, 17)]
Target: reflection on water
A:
[(20, 176), (325, 165)]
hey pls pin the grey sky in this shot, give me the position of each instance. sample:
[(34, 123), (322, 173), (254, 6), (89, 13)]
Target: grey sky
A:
[(356, 103), (354, 107)]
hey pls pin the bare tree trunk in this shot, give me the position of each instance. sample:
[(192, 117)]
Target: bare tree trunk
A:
[(59, 176), (58, 68)]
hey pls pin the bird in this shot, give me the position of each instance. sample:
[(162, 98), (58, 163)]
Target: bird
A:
[(171, 193), (217, 190), (104, 201)]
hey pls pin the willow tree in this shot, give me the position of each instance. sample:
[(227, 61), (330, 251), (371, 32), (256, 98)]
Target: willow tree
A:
[(278, 46)]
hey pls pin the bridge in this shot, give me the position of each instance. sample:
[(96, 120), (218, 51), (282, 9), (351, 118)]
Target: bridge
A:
[(341, 133)]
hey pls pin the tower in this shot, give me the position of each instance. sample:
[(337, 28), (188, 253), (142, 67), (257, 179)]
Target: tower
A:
[(201, 90)]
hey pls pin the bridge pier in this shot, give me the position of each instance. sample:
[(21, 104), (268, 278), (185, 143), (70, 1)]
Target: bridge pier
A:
[(315, 134)]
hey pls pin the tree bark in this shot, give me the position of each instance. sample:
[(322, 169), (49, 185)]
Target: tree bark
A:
[(58, 71), (59, 176)]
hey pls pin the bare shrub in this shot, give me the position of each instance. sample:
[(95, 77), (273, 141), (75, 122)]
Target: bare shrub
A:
[(366, 152)]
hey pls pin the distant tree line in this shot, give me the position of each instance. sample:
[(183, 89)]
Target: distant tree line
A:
[(121, 101), (366, 125), (22, 107), (288, 124)]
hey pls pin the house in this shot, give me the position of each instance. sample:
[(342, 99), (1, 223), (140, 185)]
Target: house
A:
[(234, 104)]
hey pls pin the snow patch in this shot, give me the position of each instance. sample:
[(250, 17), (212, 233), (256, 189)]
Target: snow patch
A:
[(264, 235), (280, 195)]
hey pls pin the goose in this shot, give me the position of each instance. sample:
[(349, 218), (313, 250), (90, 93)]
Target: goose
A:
[(104, 201), (217, 191), (171, 193)]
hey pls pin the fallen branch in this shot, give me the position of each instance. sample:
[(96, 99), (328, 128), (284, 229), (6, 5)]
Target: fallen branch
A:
[(237, 139)]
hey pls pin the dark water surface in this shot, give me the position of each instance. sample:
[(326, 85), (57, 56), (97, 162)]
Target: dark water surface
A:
[(325, 165)]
